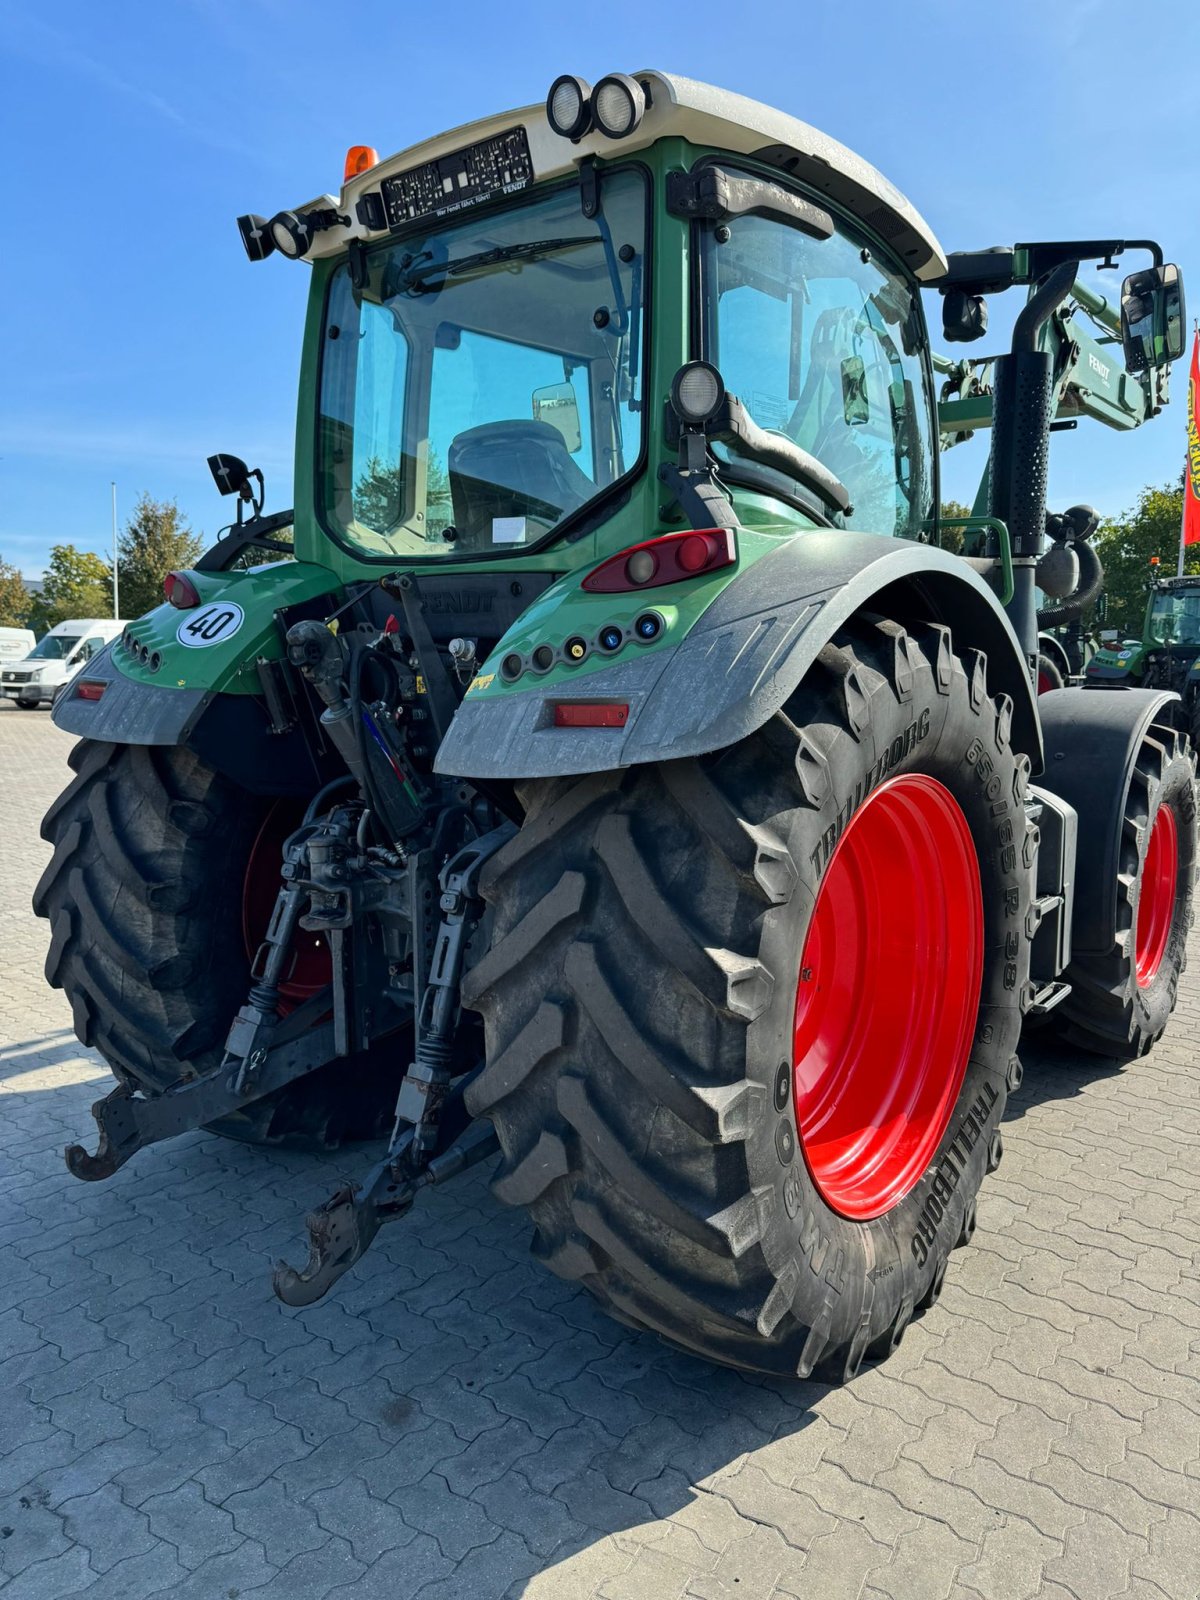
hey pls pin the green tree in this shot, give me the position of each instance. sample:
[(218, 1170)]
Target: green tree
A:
[(15, 600), (157, 540), (75, 584), (378, 496), (1126, 544), (952, 538)]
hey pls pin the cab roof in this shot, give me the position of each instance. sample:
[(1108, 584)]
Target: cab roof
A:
[(679, 108)]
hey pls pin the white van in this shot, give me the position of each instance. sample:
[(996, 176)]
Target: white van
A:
[(55, 660), (15, 643)]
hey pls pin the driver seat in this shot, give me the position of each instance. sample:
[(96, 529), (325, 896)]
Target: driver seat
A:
[(511, 469)]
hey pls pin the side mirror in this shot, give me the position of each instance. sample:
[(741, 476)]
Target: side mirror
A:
[(964, 316), (1152, 318), (557, 405)]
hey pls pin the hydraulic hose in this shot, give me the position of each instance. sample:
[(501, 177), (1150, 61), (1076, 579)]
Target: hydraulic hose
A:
[(1087, 590)]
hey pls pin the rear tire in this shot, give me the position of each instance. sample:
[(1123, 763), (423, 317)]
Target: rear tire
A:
[(1114, 1009), (641, 993), (144, 898)]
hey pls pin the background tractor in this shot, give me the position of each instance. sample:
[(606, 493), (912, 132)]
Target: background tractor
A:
[(1168, 654), (612, 769)]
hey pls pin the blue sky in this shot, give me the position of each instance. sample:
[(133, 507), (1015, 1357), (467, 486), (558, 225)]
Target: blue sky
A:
[(137, 339)]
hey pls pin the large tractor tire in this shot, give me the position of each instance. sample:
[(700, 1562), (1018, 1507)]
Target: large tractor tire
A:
[(1122, 996), (1049, 674), (161, 867), (751, 1018)]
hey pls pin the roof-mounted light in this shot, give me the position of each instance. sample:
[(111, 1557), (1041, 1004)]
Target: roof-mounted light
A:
[(256, 236), (618, 105), (293, 232), (568, 106)]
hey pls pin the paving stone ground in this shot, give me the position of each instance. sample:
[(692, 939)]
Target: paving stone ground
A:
[(457, 1424)]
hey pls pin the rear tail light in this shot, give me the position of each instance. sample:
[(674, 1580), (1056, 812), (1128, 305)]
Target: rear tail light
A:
[(669, 559), (574, 715), (181, 591), (89, 689)]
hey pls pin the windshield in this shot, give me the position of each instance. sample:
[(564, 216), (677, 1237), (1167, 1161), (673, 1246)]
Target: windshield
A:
[(54, 647), (821, 341), (1175, 617), (486, 381)]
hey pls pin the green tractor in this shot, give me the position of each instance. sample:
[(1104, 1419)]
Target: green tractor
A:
[(1168, 653), (612, 770)]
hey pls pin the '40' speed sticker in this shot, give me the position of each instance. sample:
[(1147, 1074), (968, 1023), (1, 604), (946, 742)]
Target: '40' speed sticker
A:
[(218, 620)]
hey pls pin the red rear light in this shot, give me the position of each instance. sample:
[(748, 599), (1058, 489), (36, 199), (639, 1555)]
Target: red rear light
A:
[(669, 559), (181, 591), (89, 689), (574, 715)]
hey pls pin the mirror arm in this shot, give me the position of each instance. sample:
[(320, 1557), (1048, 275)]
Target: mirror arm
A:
[(735, 424)]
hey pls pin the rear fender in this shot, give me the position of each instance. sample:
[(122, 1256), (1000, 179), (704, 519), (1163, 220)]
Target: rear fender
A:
[(738, 662), (162, 685)]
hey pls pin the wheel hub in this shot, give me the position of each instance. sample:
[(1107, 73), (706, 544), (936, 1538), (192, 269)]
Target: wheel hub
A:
[(888, 995)]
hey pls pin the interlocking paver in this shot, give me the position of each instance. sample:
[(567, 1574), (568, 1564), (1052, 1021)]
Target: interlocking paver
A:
[(455, 1423)]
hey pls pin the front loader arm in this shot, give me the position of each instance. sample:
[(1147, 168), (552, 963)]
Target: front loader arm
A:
[(1084, 338)]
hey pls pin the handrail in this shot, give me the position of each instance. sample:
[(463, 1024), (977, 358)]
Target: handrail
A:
[(1000, 528)]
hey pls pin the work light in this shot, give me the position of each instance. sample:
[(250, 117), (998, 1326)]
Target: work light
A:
[(697, 391), (292, 233), (255, 237), (567, 106), (618, 105)]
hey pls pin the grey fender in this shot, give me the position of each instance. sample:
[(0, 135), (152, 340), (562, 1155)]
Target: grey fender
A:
[(741, 661), (230, 732), (128, 712), (1092, 739)]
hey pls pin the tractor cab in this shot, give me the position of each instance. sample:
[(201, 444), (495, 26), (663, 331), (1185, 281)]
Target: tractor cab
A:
[(492, 311), (1173, 615)]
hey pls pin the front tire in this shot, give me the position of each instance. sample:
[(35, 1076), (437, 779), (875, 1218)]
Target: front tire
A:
[(654, 1058), (1122, 996)]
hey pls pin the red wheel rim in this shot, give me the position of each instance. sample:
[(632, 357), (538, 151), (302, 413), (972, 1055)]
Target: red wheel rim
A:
[(887, 996), (1044, 682), (1156, 897), (311, 968)]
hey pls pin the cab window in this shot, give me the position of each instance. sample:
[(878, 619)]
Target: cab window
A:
[(821, 340)]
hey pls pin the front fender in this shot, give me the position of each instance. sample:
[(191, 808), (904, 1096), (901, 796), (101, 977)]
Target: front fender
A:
[(738, 662), (1093, 736)]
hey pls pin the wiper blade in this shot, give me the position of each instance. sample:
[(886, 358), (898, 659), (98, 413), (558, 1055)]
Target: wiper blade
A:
[(523, 251)]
